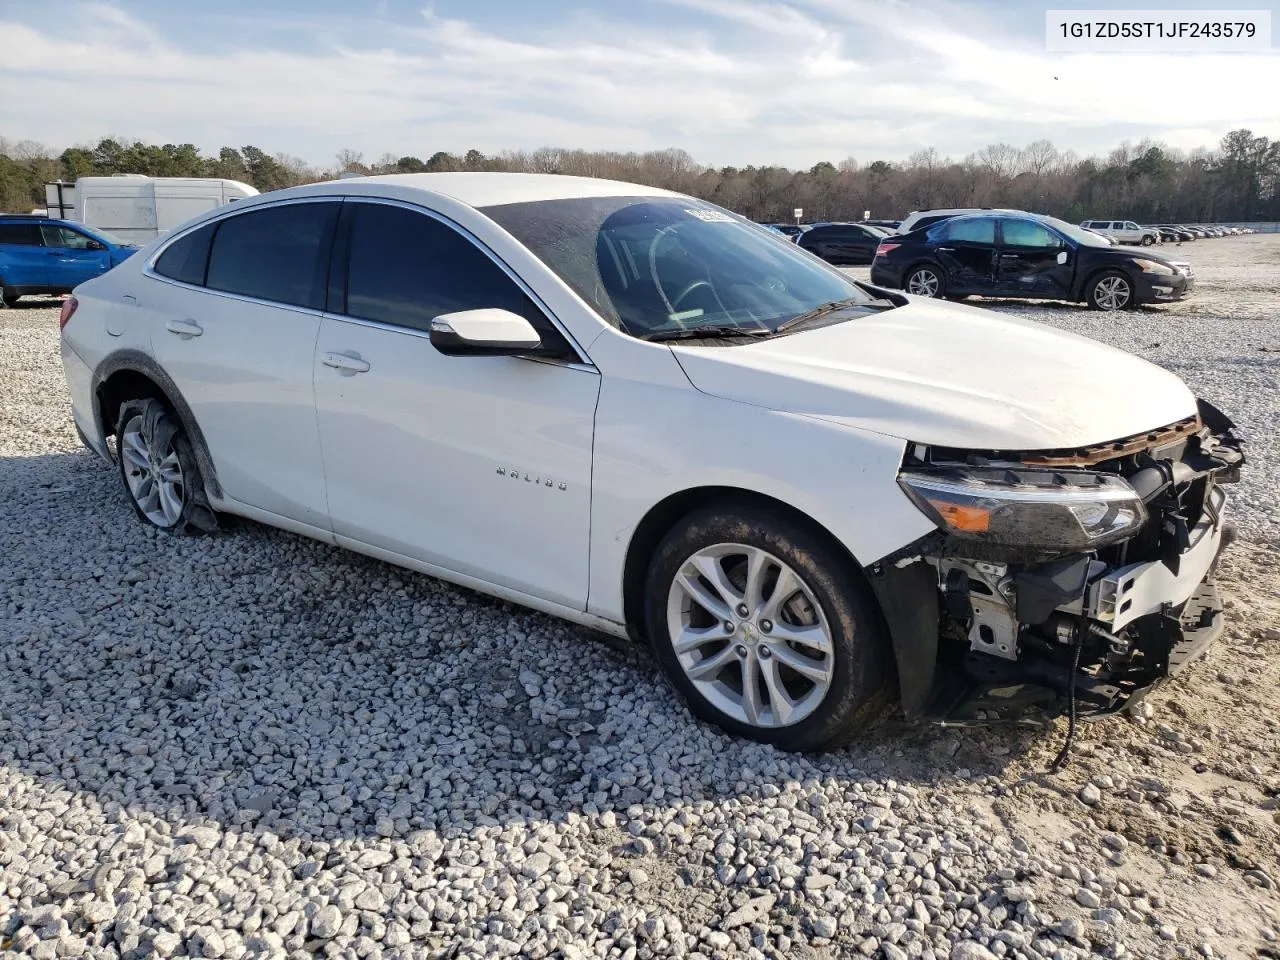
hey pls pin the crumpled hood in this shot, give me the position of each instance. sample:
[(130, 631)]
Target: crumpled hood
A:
[(948, 375)]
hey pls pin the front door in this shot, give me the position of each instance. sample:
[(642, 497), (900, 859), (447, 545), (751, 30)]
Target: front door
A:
[(1034, 260), (73, 257), (478, 465), (965, 246)]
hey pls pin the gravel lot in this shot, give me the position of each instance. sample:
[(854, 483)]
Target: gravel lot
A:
[(257, 745)]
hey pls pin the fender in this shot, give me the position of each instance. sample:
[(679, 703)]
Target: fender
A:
[(135, 361)]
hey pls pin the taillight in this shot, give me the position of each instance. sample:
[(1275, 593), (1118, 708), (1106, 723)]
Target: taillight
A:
[(886, 247), (68, 308)]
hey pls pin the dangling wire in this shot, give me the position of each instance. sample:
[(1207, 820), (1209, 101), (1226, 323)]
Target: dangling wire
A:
[(1061, 760)]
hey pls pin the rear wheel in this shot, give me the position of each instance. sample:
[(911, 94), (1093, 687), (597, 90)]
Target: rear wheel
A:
[(159, 469), (1148, 240), (925, 281), (1110, 291), (10, 297), (765, 629)]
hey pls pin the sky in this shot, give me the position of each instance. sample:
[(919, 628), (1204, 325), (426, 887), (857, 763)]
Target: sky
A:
[(789, 82)]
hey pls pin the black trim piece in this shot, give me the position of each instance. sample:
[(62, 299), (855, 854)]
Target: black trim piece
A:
[(340, 261), (908, 599)]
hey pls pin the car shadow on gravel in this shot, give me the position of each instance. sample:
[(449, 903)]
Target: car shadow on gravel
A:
[(264, 680)]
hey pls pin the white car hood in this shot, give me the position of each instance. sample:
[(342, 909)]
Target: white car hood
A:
[(948, 375)]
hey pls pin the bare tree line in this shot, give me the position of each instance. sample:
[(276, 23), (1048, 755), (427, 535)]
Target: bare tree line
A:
[(1146, 180)]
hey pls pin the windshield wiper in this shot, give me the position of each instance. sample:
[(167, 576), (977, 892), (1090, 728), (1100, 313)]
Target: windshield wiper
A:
[(828, 308), (709, 332)]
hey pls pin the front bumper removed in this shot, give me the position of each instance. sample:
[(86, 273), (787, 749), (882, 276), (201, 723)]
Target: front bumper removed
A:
[(986, 690), (1026, 639)]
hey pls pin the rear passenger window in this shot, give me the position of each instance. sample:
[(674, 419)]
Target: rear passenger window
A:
[(277, 254), (20, 235), (976, 230), (407, 268), (187, 258)]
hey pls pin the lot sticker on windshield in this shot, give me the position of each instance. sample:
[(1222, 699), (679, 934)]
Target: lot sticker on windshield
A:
[(710, 216)]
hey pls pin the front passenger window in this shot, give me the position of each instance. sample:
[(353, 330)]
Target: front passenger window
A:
[(407, 268), (64, 238), (1028, 233)]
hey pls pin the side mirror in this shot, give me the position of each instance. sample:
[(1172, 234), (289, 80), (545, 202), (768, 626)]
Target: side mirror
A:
[(489, 332), (1062, 257), (95, 245)]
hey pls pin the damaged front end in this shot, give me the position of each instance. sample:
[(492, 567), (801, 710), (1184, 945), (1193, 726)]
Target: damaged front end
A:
[(1059, 577)]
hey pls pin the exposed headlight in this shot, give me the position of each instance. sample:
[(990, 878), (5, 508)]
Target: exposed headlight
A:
[(1154, 266), (1040, 512)]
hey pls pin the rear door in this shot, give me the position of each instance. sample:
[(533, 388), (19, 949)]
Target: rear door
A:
[(1033, 260), (23, 257), (235, 322), (73, 257), (966, 249)]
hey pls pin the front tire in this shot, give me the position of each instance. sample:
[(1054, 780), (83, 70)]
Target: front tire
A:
[(10, 297), (159, 471), (925, 281), (765, 629), (1110, 291)]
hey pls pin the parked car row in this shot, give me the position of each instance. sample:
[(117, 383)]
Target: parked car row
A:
[(1126, 231)]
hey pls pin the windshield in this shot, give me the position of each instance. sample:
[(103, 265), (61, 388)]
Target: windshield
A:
[(1081, 236), (664, 265)]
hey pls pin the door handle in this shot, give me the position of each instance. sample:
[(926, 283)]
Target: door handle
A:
[(945, 249), (184, 328), (345, 363)]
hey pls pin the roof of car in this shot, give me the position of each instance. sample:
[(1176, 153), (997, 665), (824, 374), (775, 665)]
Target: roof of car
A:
[(490, 189)]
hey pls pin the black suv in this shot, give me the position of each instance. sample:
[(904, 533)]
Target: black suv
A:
[(842, 243), (1026, 256)]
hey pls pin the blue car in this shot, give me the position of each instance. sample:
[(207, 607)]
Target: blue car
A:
[(42, 255)]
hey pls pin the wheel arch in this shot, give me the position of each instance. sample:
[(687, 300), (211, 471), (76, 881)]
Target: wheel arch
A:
[(1082, 294), (131, 374), (665, 514)]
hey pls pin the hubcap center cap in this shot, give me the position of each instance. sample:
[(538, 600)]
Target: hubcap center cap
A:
[(749, 633)]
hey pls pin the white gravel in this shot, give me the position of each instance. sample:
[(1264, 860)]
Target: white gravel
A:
[(256, 745)]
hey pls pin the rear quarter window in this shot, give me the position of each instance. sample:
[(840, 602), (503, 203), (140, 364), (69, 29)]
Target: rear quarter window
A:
[(187, 258)]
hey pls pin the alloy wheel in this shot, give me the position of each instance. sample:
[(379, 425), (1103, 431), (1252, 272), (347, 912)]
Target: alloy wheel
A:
[(923, 282), (153, 474), (1112, 293), (750, 635)]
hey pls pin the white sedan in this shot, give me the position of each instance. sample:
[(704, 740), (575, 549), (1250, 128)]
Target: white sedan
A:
[(638, 411)]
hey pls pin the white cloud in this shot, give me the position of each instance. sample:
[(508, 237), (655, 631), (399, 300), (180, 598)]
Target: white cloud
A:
[(739, 82)]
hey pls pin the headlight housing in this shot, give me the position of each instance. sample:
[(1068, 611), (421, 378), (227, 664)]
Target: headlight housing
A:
[(1155, 266), (1027, 512)]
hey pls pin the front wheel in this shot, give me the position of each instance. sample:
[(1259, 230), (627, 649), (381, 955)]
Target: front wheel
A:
[(766, 630), (925, 281), (1110, 291), (10, 297)]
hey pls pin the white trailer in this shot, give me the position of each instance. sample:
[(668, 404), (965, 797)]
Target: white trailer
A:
[(140, 208)]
